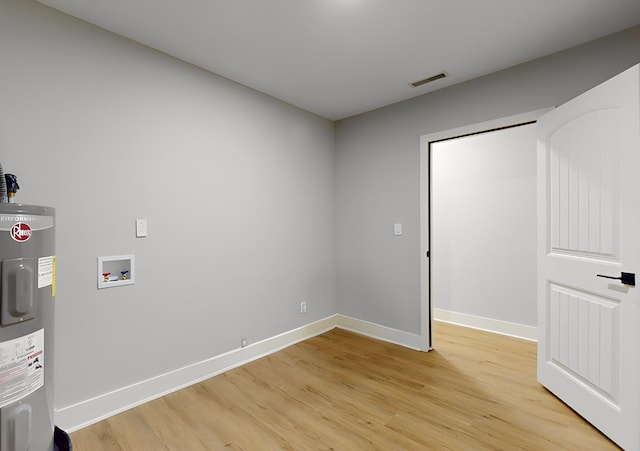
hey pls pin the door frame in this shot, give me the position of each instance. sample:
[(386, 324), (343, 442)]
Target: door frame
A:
[(426, 307)]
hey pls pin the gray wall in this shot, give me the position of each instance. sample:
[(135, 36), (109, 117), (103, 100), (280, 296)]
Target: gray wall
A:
[(483, 219), (238, 189), (378, 169), (246, 197)]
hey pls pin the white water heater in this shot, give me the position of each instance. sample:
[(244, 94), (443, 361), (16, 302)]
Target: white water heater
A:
[(27, 292)]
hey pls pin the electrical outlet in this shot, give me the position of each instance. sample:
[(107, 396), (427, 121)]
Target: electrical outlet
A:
[(243, 343), (303, 307)]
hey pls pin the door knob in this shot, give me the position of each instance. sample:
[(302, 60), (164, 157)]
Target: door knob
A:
[(627, 278)]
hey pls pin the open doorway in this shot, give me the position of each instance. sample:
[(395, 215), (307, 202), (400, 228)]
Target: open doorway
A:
[(479, 228)]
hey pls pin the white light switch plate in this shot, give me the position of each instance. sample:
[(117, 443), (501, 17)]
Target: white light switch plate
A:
[(397, 229), (141, 228)]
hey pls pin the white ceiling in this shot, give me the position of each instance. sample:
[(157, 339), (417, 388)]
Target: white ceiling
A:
[(338, 58)]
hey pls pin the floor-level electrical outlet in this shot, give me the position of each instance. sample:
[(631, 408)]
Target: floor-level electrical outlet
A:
[(243, 343), (303, 307)]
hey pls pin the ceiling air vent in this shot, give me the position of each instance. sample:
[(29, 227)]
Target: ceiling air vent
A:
[(415, 84)]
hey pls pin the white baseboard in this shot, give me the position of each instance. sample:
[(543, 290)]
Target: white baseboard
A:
[(491, 325), (77, 416), (379, 332), (90, 411)]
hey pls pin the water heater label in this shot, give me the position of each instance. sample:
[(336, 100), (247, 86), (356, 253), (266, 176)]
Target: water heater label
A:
[(35, 222), (46, 271), (21, 367)]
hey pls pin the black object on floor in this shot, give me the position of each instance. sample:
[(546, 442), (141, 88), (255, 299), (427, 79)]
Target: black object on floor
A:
[(61, 440)]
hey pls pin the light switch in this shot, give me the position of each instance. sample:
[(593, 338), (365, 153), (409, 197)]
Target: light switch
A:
[(397, 229), (141, 228)]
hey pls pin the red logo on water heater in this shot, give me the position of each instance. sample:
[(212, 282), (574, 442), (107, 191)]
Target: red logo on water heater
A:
[(21, 231)]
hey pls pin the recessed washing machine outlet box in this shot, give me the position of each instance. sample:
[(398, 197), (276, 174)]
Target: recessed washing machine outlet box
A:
[(116, 271)]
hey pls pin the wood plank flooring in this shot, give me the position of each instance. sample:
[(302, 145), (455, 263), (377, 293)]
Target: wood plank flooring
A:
[(342, 391)]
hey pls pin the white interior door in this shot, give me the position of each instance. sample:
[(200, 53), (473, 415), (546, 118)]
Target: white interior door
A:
[(589, 224)]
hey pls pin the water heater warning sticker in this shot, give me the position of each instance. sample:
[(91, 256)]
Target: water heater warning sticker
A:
[(46, 271), (21, 367)]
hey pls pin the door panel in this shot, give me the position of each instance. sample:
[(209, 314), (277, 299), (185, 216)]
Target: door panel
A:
[(589, 224), (583, 186), (583, 339)]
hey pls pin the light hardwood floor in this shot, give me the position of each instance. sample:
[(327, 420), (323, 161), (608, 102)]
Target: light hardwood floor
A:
[(342, 391)]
